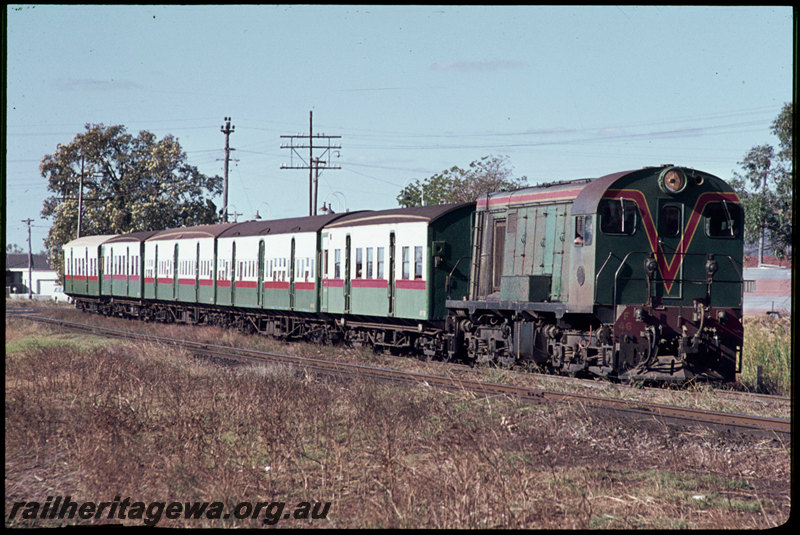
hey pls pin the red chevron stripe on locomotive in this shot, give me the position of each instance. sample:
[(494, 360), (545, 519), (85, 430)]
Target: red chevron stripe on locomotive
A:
[(669, 270)]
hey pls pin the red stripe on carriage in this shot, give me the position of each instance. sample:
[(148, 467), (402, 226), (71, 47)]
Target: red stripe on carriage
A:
[(369, 283), (410, 284), (304, 285), (246, 284), (333, 283), (276, 285)]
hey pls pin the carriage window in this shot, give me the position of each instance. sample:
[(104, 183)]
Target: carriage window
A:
[(379, 274), (359, 263), (417, 262), (722, 220), (337, 263), (406, 263), (618, 216), (671, 221), (369, 262)]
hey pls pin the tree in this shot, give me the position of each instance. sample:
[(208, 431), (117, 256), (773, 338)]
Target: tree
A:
[(129, 184), (766, 189), (456, 185)]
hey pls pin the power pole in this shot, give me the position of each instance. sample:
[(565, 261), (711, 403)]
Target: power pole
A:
[(323, 159), (30, 259), (226, 129), (80, 200)]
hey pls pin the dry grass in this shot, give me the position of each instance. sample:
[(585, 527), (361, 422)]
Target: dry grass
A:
[(698, 396), (768, 345), (96, 421)]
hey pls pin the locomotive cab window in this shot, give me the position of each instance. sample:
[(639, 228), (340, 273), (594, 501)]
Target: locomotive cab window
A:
[(583, 230), (618, 216), (722, 220)]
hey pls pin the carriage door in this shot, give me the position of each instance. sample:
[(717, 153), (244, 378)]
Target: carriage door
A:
[(291, 276), (347, 274), (127, 270), (156, 272), (260, 284), (391, 273), (197, 274), (233, 273), (498, 253), (671, 249), (175, 273)]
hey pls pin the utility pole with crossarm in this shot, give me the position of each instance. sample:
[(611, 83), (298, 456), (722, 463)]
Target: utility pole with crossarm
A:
[(314, 163)]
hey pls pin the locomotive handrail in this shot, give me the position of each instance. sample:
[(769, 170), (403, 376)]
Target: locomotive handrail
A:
[(597, 277), (450, 275), (616, 277)]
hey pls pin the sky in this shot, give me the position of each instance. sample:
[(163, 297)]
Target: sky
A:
[(561, 92)]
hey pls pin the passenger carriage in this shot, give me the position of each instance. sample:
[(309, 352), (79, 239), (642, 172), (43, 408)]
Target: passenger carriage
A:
[(271, 265), (123, 265), (398, 263), (179, 264), (83, 265)]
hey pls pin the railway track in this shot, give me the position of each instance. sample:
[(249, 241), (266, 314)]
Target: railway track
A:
[(625, 409)]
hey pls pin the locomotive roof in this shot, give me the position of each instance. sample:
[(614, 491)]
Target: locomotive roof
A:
[(587, 201), (199, 231), (280, 226), (133, 236), (89, 241), (414, 214), (565, 190)]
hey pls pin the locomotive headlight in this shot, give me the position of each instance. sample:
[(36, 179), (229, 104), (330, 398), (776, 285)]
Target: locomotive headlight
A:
[(672, 180)]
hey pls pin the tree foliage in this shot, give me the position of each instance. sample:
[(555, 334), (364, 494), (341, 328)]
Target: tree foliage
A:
[(766, 186), (456, 185), (129, 184)]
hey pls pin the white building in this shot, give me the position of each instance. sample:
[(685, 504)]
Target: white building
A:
[(41, 278)]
